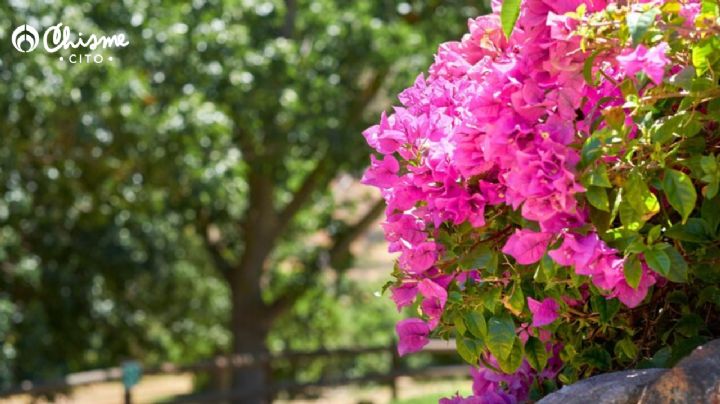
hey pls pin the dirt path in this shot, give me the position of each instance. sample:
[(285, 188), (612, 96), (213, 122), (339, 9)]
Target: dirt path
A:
[(150, 389), (153, 389)]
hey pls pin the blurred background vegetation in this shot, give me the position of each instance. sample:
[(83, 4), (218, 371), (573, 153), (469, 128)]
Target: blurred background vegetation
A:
[(194, 196)]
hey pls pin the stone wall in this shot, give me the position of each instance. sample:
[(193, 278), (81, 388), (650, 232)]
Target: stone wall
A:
[(695, 379)]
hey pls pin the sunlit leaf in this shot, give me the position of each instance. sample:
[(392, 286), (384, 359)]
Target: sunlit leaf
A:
[(509, 14), (680, 192)]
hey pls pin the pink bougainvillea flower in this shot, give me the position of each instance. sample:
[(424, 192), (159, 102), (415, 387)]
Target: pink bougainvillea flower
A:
[(525, 331), (485, 398), (572, 302), (554, 364), (576, 250), (404, 294), (382, 173), (517, 384), (656, 60), (419, 258), (401, 230), (472, 275), (544, 312), (633, 297), (527, 246), (412, 335), (435, 297), (651, 61), (494, 387), (384, 137), (689, 11)]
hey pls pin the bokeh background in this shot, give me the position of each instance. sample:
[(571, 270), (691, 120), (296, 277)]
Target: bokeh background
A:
[(198, 195)]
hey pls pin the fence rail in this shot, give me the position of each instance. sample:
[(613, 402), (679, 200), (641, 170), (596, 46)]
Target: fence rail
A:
[(233, 361)]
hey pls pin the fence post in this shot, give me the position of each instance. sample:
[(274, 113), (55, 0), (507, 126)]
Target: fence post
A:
[(131, 374), (394, 369)]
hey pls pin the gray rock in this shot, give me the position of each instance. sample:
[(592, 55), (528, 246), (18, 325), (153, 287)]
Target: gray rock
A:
[(695, 379), (611, 388)]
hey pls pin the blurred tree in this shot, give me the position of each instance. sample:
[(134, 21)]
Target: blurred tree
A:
[(210, 141)]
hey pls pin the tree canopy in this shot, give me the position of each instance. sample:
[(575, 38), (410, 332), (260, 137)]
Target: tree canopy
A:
[(144, 197)]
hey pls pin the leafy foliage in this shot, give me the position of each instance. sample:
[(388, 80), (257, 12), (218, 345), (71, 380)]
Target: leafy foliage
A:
[(133, 192)]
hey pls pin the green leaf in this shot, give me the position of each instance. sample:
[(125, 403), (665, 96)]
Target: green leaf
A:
[(508, 15), (678, 267), (704, 53), (599, 177), (455, 297), (468, 350), (654, 233), (678, 299), (629, 217), (634, 244), (516, 302), (633, 271), (627, 348), (710, 213), (598, 198), (600, 219), (501, 336), (658, 261), (710, 294), (690, 325), (708, 164), (710, 7), (638, 24), (680, 192), (592, 149), (595, 356), (514, 360), (707, 272), (476, 324), (659, 360), (638, 203), (607, 308), (459, 324), (490, 298), (694, 231), (680, 124), (712, 188), (548, 267), (536, 354), (478, 258), (492, 265), (684, 79), (588, 66), (640, 197)]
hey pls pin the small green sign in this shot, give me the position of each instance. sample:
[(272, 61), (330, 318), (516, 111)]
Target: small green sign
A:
[(131, 373)]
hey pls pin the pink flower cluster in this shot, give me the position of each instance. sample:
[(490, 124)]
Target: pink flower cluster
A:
[(491, 387), (497, 123)]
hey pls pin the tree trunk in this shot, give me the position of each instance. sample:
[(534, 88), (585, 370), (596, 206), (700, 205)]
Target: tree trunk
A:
[(251, 319), (250, 328)]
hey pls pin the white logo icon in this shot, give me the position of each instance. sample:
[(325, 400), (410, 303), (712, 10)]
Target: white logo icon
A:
[(25, 38), (59, 37)]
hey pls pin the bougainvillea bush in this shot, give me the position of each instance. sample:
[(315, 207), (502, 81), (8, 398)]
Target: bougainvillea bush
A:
[(552, 192)]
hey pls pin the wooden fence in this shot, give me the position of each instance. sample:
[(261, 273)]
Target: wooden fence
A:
[(224, 364)]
